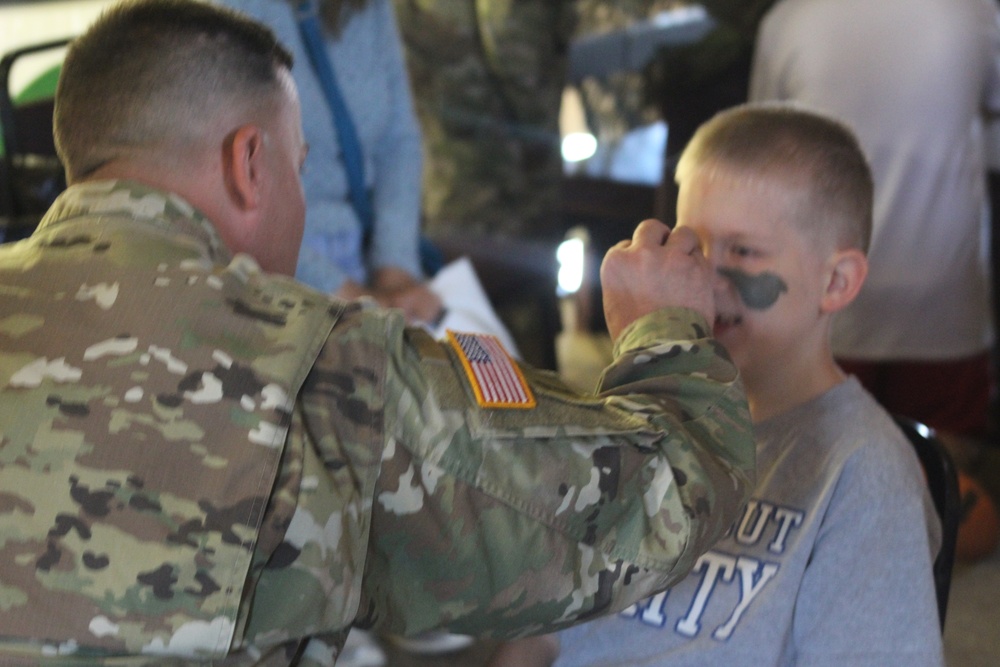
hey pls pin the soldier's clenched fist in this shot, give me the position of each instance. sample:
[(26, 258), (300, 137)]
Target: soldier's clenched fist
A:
[(657, 268)]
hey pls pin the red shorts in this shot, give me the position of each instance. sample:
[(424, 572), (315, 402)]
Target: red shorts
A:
[(951, 396)]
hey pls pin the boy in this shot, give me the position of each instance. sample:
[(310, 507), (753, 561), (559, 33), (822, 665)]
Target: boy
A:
[(831, 561)]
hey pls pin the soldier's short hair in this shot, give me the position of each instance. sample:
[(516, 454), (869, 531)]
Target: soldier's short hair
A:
[(154, 73), (807, 149)]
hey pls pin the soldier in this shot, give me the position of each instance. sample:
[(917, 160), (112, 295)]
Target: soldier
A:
[(205, 461)]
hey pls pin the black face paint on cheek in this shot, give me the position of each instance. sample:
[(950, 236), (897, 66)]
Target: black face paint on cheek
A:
[(758, 292)]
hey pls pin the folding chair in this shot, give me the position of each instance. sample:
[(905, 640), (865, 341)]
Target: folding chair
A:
[(942, 480)]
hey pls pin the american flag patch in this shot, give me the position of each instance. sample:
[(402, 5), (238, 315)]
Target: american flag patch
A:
[(496, 379)]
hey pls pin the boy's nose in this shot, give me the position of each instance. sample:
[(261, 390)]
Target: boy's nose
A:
[(711, 255)]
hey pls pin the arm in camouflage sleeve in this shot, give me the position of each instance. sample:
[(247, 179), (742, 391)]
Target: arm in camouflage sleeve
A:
[(501, 522)]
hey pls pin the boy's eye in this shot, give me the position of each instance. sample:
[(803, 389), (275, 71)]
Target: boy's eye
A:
[(742, 251)]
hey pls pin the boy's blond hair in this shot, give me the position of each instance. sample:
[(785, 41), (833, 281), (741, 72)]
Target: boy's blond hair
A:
[(803, 148)]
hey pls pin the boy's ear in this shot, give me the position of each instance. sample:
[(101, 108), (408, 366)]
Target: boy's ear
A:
[(846, 273), (243, 165)]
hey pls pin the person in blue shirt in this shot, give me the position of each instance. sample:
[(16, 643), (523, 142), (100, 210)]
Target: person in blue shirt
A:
[(364, 48)]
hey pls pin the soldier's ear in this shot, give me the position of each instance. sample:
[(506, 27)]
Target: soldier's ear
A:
[(242, 162)]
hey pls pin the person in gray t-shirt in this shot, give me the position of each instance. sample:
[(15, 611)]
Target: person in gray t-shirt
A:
[(831, 562)]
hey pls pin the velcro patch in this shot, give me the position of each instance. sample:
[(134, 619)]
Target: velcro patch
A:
[(495, 377)]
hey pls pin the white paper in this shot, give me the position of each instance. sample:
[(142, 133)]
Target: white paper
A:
[(467, 308)]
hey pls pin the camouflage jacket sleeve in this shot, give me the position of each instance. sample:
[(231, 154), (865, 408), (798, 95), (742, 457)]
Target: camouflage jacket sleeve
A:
[(499, 522)]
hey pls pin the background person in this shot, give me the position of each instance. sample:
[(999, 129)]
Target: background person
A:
[(912, 79), (363, 47)]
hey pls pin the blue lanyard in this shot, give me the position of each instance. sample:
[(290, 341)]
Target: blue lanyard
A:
[(347, 135)]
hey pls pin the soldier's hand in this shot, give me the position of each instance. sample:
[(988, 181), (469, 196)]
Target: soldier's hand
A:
[(657, 268)]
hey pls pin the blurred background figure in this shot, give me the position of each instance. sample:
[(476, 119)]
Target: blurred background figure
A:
[(488, 79), (342, 252), (912, 78)]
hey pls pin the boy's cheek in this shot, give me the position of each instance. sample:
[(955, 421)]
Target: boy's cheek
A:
[(757, 291)]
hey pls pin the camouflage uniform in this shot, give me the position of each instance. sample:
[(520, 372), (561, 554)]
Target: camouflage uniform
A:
[(199, 459), (487, 78)]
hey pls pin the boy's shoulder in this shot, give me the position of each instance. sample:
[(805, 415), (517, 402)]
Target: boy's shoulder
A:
[(845, 447), (841, 424)]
